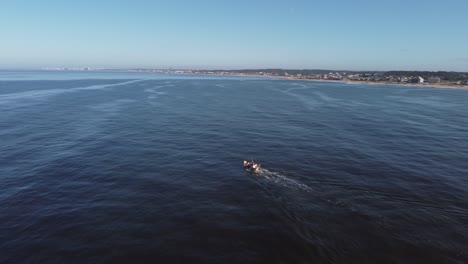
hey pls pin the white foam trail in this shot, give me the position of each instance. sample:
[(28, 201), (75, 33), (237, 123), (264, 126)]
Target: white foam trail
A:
[(301, 87), (309, 103), (40, 94), (112, 107), (325, 97), (283, 180), (156, 88), (155, 93)]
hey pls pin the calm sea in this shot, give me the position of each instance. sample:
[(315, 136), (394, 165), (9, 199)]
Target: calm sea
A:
[(130, 168)]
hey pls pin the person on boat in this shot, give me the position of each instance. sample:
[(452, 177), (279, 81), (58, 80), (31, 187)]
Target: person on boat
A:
[(248, 165), (251, 166)]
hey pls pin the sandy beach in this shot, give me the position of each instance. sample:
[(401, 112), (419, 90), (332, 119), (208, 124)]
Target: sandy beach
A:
[(432, 85)]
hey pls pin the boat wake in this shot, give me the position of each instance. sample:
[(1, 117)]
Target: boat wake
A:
[(155, 92), (283, 180)]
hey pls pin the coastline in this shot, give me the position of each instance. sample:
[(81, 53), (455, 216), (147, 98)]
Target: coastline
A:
[(428, 85), (418, 85)]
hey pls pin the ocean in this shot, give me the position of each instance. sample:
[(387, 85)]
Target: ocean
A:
[(109, 167)]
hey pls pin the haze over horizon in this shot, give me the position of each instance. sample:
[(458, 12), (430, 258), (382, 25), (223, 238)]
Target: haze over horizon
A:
[(341, 35)]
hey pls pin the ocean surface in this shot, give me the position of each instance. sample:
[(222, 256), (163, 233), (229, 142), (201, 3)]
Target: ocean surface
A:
[(131, 168)]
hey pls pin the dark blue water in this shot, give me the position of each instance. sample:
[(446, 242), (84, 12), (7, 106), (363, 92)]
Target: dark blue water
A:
[(106, 168)]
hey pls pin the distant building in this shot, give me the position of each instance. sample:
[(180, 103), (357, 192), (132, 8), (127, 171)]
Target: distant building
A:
[(434, 80), (420, 79)]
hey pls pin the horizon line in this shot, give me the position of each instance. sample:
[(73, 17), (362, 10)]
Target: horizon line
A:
[(87, 68)]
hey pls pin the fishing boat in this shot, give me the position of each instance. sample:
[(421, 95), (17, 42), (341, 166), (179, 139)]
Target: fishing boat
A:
[(252, 166)]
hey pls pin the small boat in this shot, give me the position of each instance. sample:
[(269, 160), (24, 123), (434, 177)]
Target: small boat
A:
[(252, 166)]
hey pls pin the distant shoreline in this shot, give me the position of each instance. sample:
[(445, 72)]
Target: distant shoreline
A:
[(424, 85), (432, 85), (295, 78)]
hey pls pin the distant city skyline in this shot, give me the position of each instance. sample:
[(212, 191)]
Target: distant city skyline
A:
[(297, 34)]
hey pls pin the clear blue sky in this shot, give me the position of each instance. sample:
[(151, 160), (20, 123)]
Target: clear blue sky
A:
[(332, 34)]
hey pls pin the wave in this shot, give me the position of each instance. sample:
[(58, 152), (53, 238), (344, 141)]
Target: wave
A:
[(429, 101), (155, 92), (300, 87), (310, 102), (325, 97), (112, 107), (283, 180), (156, 88), (41, 94)]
